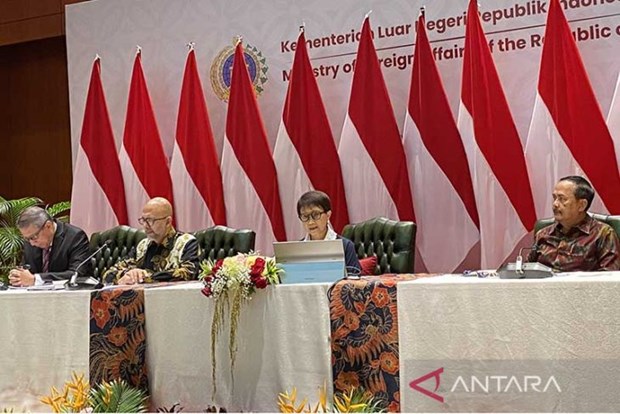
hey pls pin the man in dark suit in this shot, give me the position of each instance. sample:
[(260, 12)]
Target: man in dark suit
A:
[(53, 249)]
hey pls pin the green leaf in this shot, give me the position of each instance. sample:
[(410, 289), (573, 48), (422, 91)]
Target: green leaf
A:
[(117, 397), (11, 244), (11, 240), (362, 400), (11, 209), (57, 210)]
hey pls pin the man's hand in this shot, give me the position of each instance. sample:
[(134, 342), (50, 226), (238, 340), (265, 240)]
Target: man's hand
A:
[(21, 277), (133, 277)]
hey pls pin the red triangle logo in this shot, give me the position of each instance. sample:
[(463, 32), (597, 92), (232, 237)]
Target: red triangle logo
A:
[(415, 384)]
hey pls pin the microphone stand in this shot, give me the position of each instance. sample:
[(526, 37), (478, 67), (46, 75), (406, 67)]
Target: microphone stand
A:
[(519, 260), (527, 270), (73, 284)]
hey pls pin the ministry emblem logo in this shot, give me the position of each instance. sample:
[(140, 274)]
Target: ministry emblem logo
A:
[(221, 70)]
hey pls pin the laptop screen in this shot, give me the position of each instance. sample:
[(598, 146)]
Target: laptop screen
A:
[(310, 261)]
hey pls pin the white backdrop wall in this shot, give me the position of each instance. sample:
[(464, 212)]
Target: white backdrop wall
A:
[(113, 28)]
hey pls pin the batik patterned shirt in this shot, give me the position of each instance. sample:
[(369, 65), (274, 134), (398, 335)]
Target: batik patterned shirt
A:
[(590, 246), (176, 258)]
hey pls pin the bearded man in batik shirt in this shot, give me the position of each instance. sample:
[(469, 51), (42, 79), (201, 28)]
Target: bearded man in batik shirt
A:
[(576, 241), (164, 255)]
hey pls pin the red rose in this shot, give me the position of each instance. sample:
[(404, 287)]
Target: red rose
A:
[(207, 291), (217, 266), (260, 282), (258, 266)]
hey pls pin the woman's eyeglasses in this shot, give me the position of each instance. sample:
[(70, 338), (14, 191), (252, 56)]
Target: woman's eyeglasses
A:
[(315, 215)]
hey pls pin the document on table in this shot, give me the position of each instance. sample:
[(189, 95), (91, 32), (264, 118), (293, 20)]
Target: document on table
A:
[(55, 285)]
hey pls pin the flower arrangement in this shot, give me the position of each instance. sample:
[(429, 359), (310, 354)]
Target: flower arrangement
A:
[(243, 273), (108, 397), (356, 400), (231, 282)]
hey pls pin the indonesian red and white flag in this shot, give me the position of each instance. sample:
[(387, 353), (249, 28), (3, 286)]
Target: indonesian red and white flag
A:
[(98, 196), (250, 179), (568, 134), (494, 151), (613, 120), (371, 150), (143, 161), (305, 153), (195, 169), (445, 205)]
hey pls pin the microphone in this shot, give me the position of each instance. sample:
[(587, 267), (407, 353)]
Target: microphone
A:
[(527, 270), (519, 261), (72, 283)]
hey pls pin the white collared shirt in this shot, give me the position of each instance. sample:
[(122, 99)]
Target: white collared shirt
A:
[(331, 234)]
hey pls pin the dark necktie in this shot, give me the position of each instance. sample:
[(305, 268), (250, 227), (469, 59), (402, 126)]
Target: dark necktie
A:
[(46, 260)]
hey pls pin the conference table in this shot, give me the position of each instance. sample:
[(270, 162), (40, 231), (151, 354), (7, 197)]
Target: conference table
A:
[(283, 342), (461, 343), (494, 345)]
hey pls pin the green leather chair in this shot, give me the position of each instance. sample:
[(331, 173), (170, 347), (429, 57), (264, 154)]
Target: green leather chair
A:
[(123, 240), (393, 242), (220, 241), (214, 243), (613, 221)]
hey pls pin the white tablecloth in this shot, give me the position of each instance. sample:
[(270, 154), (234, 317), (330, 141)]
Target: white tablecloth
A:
[(568, 328), (283, 342), (565, 327), (44, 337)]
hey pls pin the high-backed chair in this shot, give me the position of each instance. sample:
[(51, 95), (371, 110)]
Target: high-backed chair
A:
[(220, 241), (613, 221), (392, 242), (123, 239), (215, 243)]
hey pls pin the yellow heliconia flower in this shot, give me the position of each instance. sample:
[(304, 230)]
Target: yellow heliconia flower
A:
[(288, 403), (355, 400), (108, 393), (322, 400), (344, 405), (323, 397), (340, 405), (52, 403), (74, 396)]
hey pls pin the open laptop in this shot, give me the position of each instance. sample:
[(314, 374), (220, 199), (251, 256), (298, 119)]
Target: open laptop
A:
[(310, 261)]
